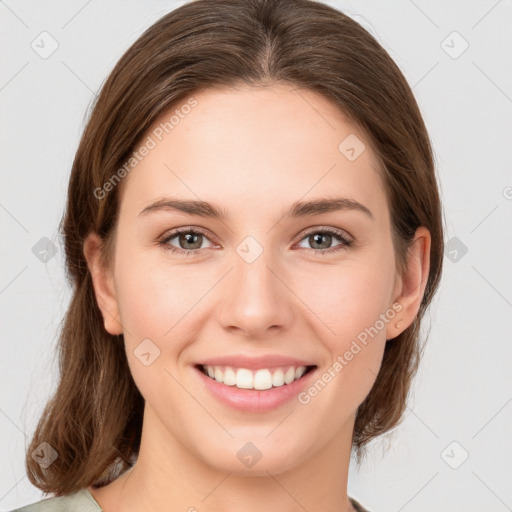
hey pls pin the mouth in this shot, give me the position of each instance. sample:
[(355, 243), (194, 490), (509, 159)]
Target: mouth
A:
[(260, 379), (254, 383)]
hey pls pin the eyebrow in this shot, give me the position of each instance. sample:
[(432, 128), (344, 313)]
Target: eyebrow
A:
[(298, 209)]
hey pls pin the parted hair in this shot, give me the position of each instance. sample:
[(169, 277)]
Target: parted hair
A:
[(93, 420)]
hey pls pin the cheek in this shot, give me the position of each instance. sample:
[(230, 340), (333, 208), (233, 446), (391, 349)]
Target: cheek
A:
[(154, 297), (350, 303), (348, 298), (154, 303)]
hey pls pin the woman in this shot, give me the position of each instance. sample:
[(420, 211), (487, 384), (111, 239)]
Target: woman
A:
[(253, 234)]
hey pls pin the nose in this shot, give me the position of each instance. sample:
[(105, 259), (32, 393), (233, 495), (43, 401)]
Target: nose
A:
[(256, 300)]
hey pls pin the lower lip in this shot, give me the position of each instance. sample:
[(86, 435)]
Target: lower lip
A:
[(252, 400)]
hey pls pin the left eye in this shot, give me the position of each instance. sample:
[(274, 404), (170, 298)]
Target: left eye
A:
[(321, 237), (190, 241)]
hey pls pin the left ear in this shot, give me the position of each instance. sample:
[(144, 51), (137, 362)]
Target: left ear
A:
[(412, 283)]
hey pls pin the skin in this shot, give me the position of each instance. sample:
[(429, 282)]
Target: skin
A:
[(253, 152)]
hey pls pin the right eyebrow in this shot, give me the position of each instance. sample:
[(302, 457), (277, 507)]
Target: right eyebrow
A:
[(201, 208)]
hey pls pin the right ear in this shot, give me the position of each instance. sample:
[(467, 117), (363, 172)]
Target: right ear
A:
[(103, 283)]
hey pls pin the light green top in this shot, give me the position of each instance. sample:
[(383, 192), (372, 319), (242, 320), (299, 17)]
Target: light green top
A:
[(83, 501)]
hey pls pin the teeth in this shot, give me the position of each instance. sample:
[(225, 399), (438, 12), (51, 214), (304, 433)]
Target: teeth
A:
[(262, 379), (289, 376), (229, 377), (278, 378), (244, 379)]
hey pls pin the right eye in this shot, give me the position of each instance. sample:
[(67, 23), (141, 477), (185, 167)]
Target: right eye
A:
[(185, 237)]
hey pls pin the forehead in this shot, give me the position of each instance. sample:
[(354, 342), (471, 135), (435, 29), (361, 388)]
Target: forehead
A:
[(251, 146)]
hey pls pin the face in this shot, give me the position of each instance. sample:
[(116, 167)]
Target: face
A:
[(266, 285)]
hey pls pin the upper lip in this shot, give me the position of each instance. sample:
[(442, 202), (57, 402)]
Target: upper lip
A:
[(265, 361)]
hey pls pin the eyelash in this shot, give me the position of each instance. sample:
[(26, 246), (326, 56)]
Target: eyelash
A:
[(337, 233)]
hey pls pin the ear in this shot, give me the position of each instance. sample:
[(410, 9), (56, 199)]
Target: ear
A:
[(411, 286), (103, 283)]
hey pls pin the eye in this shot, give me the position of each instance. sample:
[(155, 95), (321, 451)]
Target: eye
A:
[(189, 241), (321, 238)]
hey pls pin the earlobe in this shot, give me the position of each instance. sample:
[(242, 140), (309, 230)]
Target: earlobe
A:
[(104, 289), (413, 283)]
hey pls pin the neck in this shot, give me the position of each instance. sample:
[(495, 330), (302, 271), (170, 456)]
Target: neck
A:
[(169, 476)]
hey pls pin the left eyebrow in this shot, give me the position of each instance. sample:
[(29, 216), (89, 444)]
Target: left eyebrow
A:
[(298, 209), (319, 206)]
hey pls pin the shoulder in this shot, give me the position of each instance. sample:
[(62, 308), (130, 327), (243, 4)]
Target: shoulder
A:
[(80, 501)]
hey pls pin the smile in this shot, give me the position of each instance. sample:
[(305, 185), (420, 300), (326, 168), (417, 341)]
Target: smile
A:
[(260, 379), (255, 390)]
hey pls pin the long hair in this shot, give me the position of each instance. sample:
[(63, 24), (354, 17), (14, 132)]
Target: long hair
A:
[(94, 418)]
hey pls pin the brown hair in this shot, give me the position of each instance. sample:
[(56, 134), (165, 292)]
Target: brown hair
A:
[(94, 418)]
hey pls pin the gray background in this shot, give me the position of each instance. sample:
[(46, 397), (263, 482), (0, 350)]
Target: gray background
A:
[(463, 390)]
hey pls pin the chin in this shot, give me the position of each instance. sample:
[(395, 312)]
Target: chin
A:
[(274, 465), (254, 458)]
